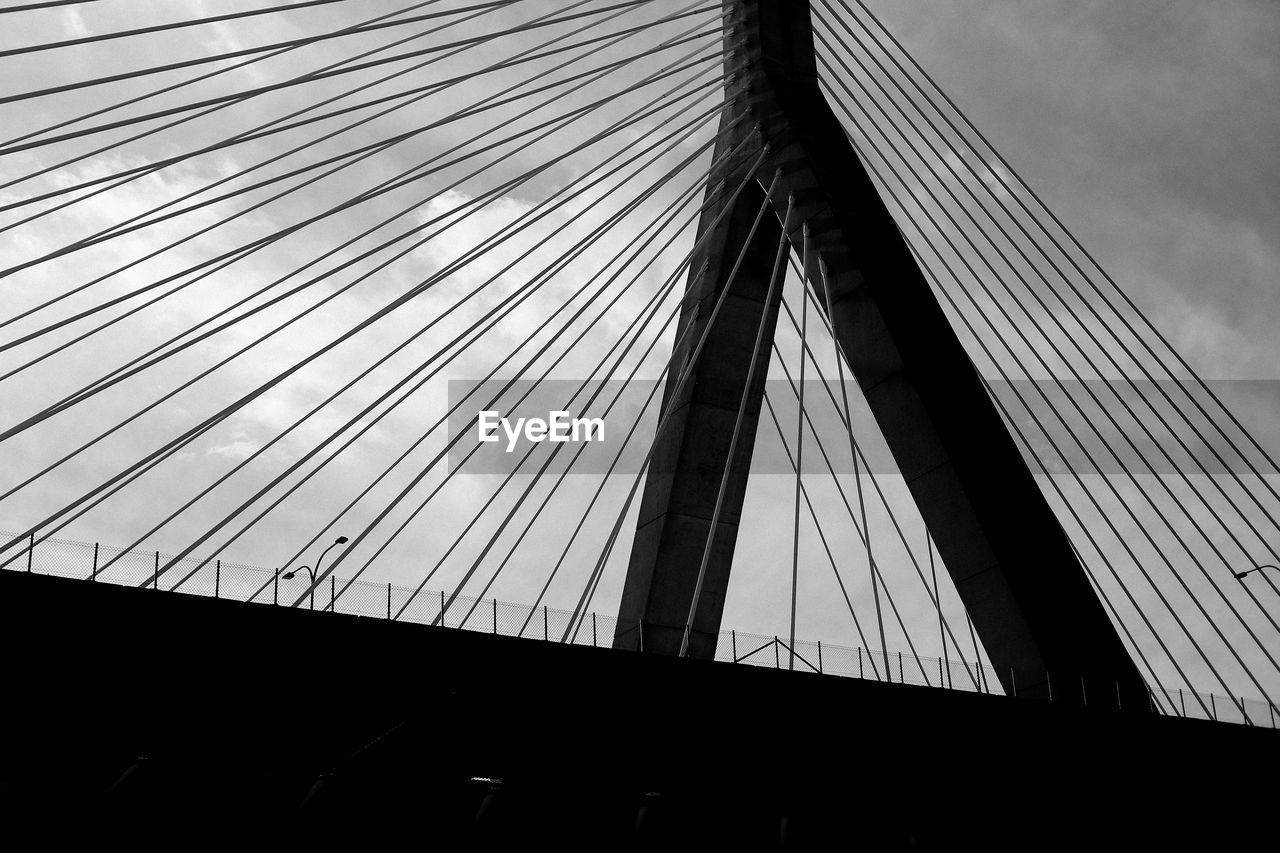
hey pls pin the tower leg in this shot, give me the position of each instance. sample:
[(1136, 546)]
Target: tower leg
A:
[(690, 455), (1009, 558)]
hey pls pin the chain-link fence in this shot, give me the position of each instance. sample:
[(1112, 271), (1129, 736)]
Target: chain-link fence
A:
[(856, 662), (214, 577)]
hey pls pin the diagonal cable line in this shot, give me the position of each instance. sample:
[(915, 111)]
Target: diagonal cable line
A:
[(1069, 337), (157, 28), (804, 491), (685, 372), (127, 175), (679, 342), (171, 395), (117, 374), (1164, 557), (649, 311), (298, 42), (1120, 316), (799, 460), (539, 280), (238, 97), (388, 185), (527, 291), (1047, 475), (842, 413), (537, 477), (385, 511), (335, 71), (407, 176), (1017, 329), (473, 204), (164, 90), (48, 4), (489, 244), (779, 271), (280, 124), (863, 531), (367, 150), (1105, 517), (654, 302), (266, 386)]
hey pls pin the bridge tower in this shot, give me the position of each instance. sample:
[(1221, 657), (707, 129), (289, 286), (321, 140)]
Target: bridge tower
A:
[(1008, 556)]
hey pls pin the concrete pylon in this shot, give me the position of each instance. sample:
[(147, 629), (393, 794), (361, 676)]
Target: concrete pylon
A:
[(1007, 554), (691, 454)]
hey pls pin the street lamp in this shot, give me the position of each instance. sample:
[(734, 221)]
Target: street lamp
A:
[(311, 573), (1240, 576)]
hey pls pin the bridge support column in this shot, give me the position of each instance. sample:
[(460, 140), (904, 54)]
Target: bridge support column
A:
[(1009, 558), (690, 456)]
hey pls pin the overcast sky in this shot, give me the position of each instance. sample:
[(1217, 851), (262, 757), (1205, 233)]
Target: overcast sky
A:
[(1151, 129), (1148, 127)]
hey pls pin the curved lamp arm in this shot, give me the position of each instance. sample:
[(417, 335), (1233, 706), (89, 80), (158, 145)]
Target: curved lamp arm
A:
[(1240, 576)]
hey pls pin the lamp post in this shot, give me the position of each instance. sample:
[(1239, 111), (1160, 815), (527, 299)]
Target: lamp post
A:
[(311, 573), (1240, 576)]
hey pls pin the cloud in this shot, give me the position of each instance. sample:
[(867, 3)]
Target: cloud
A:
[(1149, 127), (238, 449), (73, 23)]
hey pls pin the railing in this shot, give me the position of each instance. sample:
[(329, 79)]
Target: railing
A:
[(240, 582)]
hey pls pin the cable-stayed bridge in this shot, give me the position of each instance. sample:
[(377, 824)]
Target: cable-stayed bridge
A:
[(269, 270)]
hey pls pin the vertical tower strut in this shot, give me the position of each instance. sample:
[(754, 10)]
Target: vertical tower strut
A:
[(1007, 554), (690, 456)]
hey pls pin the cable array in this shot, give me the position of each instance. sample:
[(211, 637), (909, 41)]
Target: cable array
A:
[(258, 286), (1166, 494)]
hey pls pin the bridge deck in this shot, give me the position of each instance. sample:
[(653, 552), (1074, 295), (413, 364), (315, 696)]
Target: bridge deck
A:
[(241, 708)]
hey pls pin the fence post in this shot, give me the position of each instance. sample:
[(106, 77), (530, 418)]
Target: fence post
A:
[(217, 579), (902, 676), (593, 629), (1213, 707), (1182, 700), (333, 593), (860, 661), (388, 599), (275, 587), (819, 657), (31, 549), (733, 638), (495, 616), (94, 575), (1013, 681), (777, 658), (442, 606), (155, 578), (546, 624)]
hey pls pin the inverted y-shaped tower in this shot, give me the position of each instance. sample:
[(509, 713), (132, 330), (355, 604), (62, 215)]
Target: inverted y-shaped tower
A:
[(1010, 559)]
